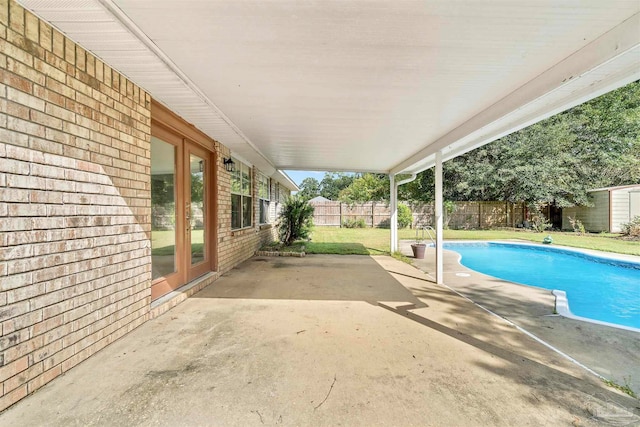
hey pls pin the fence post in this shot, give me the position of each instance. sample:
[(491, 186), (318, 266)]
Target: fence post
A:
[(480, 215), (340, 214), (506, 214)]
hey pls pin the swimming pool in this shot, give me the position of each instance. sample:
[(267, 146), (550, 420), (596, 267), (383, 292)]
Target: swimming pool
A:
[(603, 289)]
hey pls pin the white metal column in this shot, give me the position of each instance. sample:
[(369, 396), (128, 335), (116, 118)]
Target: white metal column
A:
[(394, 213), (439, 203)]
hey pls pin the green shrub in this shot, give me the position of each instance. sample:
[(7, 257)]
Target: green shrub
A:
[(296, 220), (632, 228), (449, 208), (577, 225), (539, 221), (354, 223), (405, 217)]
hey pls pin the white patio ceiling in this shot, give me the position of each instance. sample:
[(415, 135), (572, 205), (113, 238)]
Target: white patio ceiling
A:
[(359, 85)]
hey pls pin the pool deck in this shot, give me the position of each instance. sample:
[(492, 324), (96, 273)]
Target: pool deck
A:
[(610, 352)]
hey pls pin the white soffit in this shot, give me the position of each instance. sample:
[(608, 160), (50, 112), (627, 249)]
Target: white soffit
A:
[(359, 85)]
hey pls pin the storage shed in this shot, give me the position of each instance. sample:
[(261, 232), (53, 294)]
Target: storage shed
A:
[(612, 207)]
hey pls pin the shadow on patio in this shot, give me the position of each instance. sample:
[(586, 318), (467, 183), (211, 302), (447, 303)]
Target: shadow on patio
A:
[(315, 278)]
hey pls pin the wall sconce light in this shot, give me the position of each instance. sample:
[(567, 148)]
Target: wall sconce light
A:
[(229, 165)]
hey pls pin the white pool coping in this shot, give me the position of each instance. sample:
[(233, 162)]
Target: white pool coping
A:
[(562, 303), (562, 308)]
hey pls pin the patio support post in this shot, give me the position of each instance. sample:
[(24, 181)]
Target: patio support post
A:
[(438, 208), (394, 213)]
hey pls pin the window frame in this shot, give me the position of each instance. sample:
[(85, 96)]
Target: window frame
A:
[(264, 183), (242, 180)]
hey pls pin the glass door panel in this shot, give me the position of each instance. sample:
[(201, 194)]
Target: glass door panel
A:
[(197, 208), (197, 189), (163, 209)]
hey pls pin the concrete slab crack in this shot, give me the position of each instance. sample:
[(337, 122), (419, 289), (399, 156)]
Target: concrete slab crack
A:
[(328, 393)]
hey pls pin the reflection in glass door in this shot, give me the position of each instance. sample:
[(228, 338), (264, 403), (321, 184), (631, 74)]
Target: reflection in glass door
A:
[(197, 214), (163, 209)]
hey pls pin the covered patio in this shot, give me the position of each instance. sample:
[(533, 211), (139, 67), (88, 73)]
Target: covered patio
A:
[(121, 124), (281, 341)]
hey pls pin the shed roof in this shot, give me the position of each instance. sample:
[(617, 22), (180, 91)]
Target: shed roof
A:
[(619, 187), (319, 199)]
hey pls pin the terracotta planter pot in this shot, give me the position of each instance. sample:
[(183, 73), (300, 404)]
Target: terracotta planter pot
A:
[(418, 250)]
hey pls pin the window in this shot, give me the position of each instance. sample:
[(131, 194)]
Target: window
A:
[(241, 213), (264, 195)]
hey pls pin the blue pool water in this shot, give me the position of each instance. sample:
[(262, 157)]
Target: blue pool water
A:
[(597, 288)]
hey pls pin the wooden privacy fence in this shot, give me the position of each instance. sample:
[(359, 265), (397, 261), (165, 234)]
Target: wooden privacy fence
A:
[(466, 215)]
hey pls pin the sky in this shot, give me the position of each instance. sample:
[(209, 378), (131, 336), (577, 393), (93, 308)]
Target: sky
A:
[(298, 176)]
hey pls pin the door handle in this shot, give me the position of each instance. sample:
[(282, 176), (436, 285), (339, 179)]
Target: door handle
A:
[(187, 214)]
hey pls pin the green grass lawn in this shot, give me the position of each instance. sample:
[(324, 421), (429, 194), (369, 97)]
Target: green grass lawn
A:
[(375, 241), (163, 242)]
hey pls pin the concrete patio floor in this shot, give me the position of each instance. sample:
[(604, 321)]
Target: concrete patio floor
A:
[(304, 341)]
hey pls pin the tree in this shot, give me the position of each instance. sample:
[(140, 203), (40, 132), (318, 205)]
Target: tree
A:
[(405, 217), (596, 144), (309, 188), (333, 183), (607, 132), (365, 188)]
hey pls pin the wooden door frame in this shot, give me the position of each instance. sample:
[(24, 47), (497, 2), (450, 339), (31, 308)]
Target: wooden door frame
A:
[(166, 284), (167, 125), (198, 270)]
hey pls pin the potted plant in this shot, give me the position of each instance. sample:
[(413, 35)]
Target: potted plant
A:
[(419, 246)]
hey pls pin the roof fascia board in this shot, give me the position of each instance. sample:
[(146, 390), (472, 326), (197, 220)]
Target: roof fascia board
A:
[(285, 180)]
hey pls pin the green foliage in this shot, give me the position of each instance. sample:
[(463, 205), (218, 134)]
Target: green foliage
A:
[(197, 187), (577, 225), (366, 188), (309, 188), (632, 228), (449, 208), (539, 221), (296, 220), (354, 223), (333, 183), (626, 388), (405, 217), (401, 257), (162, 189), (593, 145)]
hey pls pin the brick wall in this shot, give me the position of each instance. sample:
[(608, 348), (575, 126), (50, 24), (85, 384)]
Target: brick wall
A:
[(75, 204)]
